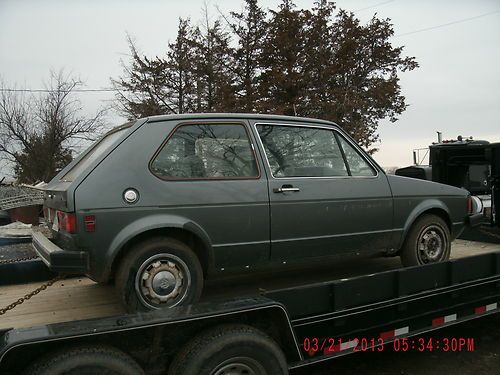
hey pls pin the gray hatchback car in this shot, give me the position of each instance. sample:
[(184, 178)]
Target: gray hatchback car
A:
[(162, 204)]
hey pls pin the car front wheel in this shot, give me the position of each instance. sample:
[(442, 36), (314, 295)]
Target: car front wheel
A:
[(428, 241), (159, 273)]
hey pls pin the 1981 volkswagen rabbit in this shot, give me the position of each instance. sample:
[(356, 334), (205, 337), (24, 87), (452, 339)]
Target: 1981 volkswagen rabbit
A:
[(164, 203)]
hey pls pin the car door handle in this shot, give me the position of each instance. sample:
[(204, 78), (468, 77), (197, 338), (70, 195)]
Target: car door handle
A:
[(285, 189)]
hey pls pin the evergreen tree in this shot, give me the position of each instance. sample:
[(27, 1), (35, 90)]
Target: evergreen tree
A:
[(180, 69), (249, 27), (365, 86), (283, 79), (316, 62), (319, 66), (213, 59), (142, 91)]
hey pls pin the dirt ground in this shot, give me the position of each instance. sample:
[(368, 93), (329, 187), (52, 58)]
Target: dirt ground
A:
[(485, 359)]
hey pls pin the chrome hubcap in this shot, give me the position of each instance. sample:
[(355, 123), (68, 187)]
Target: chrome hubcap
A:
[(162, 281), (431, 244), (165, 283)]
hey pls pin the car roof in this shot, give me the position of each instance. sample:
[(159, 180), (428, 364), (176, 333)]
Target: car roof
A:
[(254, 116)]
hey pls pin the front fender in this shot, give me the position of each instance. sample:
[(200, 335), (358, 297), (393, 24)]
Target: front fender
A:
[(151, 222), (419, 209)]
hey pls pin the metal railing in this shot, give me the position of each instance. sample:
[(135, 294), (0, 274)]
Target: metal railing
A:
[(26, 199)]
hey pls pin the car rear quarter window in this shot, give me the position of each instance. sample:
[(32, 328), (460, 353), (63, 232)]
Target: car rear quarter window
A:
[(206, 151), (294, 151)]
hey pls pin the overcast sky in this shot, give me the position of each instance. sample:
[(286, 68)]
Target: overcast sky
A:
[(456, 90)]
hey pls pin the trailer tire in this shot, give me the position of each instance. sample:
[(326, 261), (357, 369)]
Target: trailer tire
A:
[(230, 347), (158, 273), (427, 241), (86, 360)]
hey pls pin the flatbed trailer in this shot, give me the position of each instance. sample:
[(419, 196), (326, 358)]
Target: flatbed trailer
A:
[(268, 333)]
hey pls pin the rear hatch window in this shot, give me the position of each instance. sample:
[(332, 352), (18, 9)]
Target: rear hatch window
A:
[(96, 150)]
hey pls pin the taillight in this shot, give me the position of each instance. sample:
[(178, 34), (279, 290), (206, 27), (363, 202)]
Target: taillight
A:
[(67, 221), (89, 222), (470, 208)]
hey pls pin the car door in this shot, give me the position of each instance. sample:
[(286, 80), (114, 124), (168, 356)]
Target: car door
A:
[(208, 173), (326, 197)]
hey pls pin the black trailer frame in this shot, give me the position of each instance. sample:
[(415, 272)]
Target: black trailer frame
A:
[(310, 323)]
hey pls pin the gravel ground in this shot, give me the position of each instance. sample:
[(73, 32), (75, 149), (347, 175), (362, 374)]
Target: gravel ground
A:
[(19, 250), (14, 251)]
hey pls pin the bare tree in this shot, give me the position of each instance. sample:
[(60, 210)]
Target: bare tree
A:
[(38, 134)]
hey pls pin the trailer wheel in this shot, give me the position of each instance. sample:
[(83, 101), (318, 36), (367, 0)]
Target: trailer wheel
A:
[(428, 241), (159, 273), (230, 349), (86, 360)]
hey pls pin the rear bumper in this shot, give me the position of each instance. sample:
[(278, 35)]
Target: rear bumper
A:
[(475, 220), (57, 259)]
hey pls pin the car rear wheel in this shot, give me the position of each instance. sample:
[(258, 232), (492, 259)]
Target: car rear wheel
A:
[(159, 273), (428, 241), (230, 349)]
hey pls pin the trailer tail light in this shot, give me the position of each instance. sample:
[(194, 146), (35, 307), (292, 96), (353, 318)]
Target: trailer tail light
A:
[(89, 223), (67, 221)]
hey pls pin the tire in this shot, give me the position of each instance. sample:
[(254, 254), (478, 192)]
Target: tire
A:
[(86, 360), (159, 273), (240, 348), (428, 241)]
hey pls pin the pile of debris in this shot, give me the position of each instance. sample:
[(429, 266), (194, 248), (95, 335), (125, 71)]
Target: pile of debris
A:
[(12, 196), (15, 232)]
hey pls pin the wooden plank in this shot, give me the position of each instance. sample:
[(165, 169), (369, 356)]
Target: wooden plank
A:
[(66, 300)]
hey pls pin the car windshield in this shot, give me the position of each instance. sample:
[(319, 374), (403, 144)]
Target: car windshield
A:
[(96, 150)]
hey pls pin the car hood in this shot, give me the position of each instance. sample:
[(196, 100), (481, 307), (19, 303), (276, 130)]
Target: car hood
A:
[(407, 186)]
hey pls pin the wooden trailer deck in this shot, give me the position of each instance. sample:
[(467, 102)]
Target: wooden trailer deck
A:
[(70, 299), (81, 298)]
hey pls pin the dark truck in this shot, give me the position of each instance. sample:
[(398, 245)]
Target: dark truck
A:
[(161, 204), (466, 163)]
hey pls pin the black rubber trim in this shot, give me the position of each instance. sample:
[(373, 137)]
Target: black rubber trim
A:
[(57, 259), (475, 220)]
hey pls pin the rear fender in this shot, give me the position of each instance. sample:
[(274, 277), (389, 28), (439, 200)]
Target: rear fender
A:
[(152, 222)]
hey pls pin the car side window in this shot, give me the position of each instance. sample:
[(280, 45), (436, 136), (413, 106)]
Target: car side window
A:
[(199, 151), (358, 166), (294, 151)]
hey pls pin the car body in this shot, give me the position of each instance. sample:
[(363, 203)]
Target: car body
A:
[(291, 189)]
